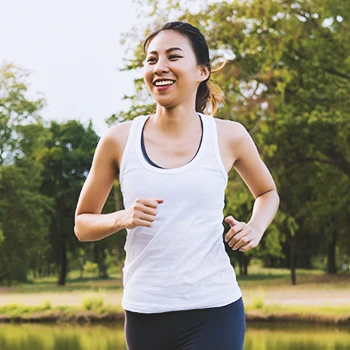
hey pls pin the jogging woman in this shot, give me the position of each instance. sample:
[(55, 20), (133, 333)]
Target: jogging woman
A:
[(180, 290)]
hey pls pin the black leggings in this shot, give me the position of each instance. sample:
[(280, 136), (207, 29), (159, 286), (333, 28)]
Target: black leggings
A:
[(218, 328)]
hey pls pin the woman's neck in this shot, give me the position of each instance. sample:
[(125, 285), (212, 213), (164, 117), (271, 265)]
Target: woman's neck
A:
[(176, 120)]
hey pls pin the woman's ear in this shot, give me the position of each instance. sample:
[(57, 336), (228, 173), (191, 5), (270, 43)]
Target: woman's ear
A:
[(204, 73)]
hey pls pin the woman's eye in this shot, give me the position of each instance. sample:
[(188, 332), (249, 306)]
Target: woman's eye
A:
[(151, 60), (174, 57)]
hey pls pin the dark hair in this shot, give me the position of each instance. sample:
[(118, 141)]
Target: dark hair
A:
[(207, 92)]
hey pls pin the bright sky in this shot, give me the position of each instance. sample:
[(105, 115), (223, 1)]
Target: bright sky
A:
[(71, 48)]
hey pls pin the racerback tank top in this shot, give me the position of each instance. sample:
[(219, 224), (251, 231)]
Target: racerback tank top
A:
[(180, 262)]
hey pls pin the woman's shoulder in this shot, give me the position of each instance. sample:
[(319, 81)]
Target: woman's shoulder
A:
[(118, 134), (230, 130), (113, 141), (118, 130)]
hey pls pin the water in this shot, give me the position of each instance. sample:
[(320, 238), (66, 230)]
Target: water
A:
[(258, 337)]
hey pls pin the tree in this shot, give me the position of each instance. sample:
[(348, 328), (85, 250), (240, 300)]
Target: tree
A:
[(66, 159), (287, 80), (24, 212), (16, 109)]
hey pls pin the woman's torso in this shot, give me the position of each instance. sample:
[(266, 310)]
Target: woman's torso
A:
[(180, 263)]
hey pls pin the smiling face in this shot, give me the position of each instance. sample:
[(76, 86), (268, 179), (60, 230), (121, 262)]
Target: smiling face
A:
[(171, 71)]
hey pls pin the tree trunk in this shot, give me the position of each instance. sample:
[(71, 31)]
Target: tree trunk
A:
[(245, 268), (292, 260), (118, 247), (243, 262), (63, 266), (331, 255), (99, 258), (102, 270), (119, 262), (81, 267)]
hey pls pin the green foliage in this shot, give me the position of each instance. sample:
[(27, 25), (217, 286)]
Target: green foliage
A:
[(16, 109), (90, 267), (47, 305), (93, 302), (24, 218), (258, 302), (287, 80), (66, 159)]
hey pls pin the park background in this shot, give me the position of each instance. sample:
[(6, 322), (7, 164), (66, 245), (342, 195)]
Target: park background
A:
[(286, 79)]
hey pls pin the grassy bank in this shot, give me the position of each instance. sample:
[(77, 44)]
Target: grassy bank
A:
[(21, 314), (267, 294), (93, 310)]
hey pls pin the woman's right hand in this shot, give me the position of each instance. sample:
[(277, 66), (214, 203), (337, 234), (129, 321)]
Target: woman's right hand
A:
[(142, 213)]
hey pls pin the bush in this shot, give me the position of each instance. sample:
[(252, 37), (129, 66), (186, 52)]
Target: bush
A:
[(93, 302)]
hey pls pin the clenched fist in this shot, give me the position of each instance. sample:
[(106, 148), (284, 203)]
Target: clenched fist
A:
[(242, 236), (141, 213)]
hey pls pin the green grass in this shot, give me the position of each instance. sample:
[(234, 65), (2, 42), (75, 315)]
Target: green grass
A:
[(270, 276), (96, 305), (277, 278), (260, 287), (267, 277), (49, 284), (336, 310)]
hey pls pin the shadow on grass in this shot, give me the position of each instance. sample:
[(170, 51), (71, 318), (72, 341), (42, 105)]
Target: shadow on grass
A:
[(259, 277)]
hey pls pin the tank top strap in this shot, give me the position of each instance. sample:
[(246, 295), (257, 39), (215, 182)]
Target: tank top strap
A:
[(211, 127), (133, 141)]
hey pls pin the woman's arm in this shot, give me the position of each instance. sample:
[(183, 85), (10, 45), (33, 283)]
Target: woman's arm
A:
[(90, 224), (250, 167)]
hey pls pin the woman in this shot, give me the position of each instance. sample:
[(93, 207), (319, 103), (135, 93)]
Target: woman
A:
[(180, 290)]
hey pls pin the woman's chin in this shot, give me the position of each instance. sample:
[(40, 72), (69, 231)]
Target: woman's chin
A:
[(166, 103)]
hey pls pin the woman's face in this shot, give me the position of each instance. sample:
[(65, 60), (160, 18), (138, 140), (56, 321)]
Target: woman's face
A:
[(171, 71)]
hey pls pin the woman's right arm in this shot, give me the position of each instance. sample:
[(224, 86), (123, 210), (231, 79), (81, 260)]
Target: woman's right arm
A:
[(90, 224)]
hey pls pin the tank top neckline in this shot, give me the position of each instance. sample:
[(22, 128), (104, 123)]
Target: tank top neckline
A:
[(181, 168), (149, 160)]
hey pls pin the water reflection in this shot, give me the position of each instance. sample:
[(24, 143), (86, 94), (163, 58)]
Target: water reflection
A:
[(259, 337), (58, 337), (296, 337)]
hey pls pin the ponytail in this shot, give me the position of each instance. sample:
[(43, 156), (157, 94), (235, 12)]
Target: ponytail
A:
[(209, 95)]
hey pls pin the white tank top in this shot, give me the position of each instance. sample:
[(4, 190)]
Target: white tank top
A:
[(180, 262)]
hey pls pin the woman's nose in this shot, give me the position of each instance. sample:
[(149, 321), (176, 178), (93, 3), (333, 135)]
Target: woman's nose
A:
[(160, 67)]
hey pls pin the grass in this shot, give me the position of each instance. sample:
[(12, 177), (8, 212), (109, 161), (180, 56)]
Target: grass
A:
[(280, 278), (337, 310), (49, 284), (266, 277), (265, 290), (93, 302)]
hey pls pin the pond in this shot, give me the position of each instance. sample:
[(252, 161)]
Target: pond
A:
[(258, 337)]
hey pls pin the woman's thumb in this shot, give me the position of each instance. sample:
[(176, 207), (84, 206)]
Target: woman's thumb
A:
[(231, 220)]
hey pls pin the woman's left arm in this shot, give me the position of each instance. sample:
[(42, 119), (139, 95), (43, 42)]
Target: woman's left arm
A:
[(250, 167)]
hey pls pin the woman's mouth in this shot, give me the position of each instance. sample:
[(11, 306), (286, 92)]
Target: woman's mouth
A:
[(163, 84)]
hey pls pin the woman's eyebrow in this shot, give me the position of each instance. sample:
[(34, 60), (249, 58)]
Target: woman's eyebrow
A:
[(167, 51)]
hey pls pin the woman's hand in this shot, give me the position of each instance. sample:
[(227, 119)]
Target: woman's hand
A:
[(142, 213), (242, 236)]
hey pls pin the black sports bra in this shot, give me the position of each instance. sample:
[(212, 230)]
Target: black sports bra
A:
[(148, 158)]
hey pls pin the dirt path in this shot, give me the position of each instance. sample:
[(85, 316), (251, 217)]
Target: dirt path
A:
[(318, 290), (292, 296), (281, 296)]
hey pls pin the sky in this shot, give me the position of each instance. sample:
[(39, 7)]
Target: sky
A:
[(71, 49)]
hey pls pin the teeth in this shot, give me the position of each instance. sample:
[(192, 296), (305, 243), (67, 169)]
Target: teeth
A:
[(163, 82)]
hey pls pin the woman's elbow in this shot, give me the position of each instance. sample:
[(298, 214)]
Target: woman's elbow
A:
[(79, 233)]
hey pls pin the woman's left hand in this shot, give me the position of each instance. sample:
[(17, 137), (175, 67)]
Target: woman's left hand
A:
[(242, 236)]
